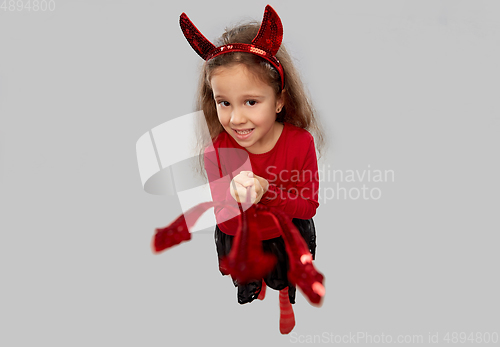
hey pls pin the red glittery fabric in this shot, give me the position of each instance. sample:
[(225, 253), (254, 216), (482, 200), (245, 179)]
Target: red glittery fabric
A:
[(247, 261), (265, 44)]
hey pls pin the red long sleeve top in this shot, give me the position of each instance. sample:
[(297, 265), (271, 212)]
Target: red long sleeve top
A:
[(290, 167)]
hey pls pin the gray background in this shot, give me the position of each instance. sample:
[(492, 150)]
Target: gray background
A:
[(409, 86)]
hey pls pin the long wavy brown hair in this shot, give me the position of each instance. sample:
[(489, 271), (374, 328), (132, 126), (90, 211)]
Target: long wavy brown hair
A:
[(297, 110)]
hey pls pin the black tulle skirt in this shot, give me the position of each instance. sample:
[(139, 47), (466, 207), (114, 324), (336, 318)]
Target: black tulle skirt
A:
[(277, 279)]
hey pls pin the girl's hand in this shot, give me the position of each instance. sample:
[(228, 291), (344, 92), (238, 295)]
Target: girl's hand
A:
[(258, 187)]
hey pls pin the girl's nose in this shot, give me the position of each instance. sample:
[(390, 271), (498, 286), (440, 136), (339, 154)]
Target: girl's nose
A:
[(237, 116)]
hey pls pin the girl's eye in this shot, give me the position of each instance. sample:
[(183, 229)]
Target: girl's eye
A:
[(224, 103), (251, 102)]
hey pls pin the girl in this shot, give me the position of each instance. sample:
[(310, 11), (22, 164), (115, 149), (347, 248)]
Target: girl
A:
[(258, 148)]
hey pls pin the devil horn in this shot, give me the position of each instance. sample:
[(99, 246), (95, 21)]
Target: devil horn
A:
[(200, 43), (270, 32)]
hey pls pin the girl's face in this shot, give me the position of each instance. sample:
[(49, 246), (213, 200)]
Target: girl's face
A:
[(247, 107)]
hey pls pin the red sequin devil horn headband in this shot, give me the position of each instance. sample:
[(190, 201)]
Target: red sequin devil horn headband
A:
[(265, 44)]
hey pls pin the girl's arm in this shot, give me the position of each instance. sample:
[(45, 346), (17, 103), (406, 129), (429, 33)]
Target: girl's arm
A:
[(300, 201)]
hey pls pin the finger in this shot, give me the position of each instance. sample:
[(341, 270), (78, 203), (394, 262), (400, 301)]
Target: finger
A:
[(245, 181), (247, 173), (242, 174), (258, 188), (249, 182), (240, 178), (235, 185), (241, 194), (254, 196), (245, 190)]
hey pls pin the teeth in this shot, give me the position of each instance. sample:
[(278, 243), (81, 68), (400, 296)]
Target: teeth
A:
[(244, 132)]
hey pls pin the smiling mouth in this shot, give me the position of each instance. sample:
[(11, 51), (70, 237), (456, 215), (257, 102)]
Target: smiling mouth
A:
[(243, 131)]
